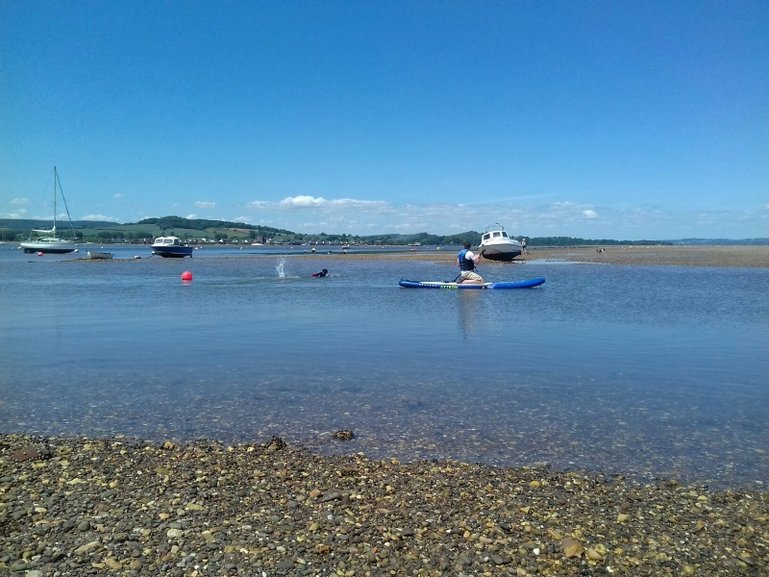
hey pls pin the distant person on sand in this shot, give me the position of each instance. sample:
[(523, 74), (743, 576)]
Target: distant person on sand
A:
[(466, 260), (321, 273), (523, 245)]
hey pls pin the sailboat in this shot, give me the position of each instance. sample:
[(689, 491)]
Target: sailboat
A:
[(45, 240)]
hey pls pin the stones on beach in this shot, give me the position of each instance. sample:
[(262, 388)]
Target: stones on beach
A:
[(206, 508), (32, 453), (276, 444)]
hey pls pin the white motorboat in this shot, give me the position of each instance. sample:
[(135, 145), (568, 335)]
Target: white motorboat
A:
[(45, 240), (99, 255), (497, 245), (171, 247)]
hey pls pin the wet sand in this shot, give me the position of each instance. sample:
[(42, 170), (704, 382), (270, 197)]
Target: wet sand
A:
[(118, 507), (700, 256)]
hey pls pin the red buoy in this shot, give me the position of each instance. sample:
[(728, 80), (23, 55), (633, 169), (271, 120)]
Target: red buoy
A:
[(186, 276)]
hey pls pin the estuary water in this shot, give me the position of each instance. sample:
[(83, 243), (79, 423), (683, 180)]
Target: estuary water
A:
[(649, 372)]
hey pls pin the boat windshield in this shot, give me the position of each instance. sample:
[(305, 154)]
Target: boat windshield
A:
[(167, 241)]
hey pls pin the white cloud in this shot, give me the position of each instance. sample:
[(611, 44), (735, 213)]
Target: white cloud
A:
[(191, 216), (589, 214), (99, 217), (303, 201), (205, 204), (19, 201), (21, 213)]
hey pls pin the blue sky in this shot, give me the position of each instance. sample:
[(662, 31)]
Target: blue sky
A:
[(624, 120)]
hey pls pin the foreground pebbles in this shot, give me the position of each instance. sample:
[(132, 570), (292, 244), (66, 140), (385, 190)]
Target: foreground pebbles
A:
[(119, 507)]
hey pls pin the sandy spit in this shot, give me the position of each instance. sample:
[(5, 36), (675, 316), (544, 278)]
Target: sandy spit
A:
[(698, 256)]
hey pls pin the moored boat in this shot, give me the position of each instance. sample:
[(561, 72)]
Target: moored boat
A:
[(45, 240), (497, 245), (170, 247), (99, 255)]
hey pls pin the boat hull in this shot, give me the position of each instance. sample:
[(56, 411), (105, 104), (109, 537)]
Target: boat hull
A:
[(97, 255), (528, 283), (173, 251), (47, 248), (504, 253)]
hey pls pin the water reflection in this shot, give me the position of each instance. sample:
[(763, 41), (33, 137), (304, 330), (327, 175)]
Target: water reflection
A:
[(468, 309)]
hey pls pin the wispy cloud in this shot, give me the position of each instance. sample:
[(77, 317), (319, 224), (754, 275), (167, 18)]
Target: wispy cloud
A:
[(305, 201), (99, 217), (205, 204), (20, 213)]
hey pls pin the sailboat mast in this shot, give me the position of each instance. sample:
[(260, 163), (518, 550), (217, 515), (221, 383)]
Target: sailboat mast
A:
[(55, 180)]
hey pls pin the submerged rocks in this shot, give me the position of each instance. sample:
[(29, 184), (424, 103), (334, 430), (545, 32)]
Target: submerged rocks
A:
[(343, 435), (117, 507)]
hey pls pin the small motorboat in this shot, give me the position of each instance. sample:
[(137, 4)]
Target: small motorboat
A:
[(170, 247), (497, 245), (99, 255)]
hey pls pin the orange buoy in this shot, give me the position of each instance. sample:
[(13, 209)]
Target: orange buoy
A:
[(186, 276)]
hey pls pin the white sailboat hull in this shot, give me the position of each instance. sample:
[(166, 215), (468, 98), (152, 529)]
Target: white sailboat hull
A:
[(48, 245)]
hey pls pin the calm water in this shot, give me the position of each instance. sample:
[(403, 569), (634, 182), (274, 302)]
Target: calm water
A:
[(645, 371)]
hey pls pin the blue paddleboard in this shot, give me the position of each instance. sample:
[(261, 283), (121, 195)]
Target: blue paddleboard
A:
[(528, 283)]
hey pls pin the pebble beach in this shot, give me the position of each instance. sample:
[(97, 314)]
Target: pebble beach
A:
[(121, 506)]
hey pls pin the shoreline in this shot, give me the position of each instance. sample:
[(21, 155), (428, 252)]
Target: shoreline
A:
[(656, 255), (117, 507), (722, 256)]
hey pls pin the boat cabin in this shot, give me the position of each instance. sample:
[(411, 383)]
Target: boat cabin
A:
[(167, 241), (494, 235)]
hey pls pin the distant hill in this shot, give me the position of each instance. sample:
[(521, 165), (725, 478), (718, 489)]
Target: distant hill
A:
[(227, 231)]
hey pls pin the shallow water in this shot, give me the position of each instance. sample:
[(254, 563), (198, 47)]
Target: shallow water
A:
[(644, 371)]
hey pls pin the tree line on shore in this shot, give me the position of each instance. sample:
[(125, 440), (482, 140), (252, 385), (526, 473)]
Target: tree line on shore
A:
[(203, 230)]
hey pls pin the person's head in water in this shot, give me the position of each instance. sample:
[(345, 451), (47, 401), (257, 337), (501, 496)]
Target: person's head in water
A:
[(324, 271)]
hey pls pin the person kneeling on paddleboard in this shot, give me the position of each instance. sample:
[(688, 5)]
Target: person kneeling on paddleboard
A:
[(467, 261), (320, 273)]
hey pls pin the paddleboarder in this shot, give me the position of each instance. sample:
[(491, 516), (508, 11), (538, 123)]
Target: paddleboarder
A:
[(466, 260)]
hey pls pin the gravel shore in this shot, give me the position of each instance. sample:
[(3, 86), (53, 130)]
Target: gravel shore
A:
[(122, 507)]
